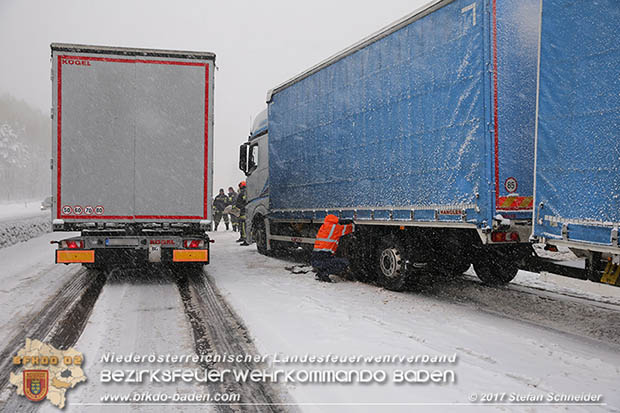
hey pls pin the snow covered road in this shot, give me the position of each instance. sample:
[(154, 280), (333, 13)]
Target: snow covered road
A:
[(512, 341), (134, 314), (294, 314), (150, 311)]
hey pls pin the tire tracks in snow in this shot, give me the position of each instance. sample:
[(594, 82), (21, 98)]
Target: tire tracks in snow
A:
[(215, 327), (59, 322), (218, 330)]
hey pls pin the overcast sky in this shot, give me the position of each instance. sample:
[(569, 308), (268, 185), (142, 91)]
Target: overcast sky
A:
[(258, 44)]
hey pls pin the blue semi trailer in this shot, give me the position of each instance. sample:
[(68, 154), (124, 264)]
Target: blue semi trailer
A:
[(578, 133), (422, 134)]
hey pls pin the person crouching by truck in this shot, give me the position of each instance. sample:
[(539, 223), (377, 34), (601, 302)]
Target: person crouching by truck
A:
[(324, 258), (232, 199), (240, 204), (219, 204)]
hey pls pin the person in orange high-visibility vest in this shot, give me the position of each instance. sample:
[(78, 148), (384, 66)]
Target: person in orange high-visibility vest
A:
[(324, 258)]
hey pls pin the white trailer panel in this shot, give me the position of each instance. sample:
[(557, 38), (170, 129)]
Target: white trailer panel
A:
[(132, 135)]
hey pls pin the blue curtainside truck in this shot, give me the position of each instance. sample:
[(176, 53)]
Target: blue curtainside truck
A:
[(422, 134), (577, 176)]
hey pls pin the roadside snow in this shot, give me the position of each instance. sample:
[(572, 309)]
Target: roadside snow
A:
[(22, 221), (292, 314), (569, 286), (566, 285), (13, 232)]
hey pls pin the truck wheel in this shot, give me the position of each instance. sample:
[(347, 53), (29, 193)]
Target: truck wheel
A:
[(458, 268), (355, 248), (495, 271), (441, 272), (393, 267), (259, 233), (362, 269)]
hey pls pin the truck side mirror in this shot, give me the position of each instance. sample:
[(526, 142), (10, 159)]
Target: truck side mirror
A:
[(252, 158), (243, 158)]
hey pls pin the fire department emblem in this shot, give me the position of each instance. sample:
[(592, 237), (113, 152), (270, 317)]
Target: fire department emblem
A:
[(36, 384), (48, 373)]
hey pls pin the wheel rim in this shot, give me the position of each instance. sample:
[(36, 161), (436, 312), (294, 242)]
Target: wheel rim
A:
[(390, 262)]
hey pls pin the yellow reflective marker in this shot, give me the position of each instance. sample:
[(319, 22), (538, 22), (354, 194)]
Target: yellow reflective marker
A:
[(190, 256), (66, 257)]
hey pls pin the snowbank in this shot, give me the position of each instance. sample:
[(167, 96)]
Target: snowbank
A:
[(21, 221), (12, 232)]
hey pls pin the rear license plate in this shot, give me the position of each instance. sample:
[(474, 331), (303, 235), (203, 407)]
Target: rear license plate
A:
[(122, 242)]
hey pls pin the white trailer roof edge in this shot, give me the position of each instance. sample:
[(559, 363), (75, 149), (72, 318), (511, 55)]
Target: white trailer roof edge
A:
[(382, 33), (130, 51)]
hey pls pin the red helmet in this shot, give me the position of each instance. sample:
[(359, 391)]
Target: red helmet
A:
[(242, 184)]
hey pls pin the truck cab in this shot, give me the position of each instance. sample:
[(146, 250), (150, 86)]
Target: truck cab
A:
[(254, 162)]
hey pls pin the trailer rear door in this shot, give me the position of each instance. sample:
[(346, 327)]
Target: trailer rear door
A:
[(132, 134)]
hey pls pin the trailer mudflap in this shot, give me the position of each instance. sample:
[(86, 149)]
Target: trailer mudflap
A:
[(71, 257)]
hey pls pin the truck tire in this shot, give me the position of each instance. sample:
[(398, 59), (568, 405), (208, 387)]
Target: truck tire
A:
[(355, 248), (439, 273), (496, 272), (392, 264), (457, 268), (362, 269), (259, 233)]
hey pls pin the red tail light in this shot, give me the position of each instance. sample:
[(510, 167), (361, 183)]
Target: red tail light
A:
[(505, 237), (193, 243), (73, 245)]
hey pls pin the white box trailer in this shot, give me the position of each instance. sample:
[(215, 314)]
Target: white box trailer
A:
[(132, 154)]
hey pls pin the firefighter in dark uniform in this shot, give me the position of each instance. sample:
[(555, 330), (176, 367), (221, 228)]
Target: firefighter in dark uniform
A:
[(219, 204), (241, 202), (232, 199)]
